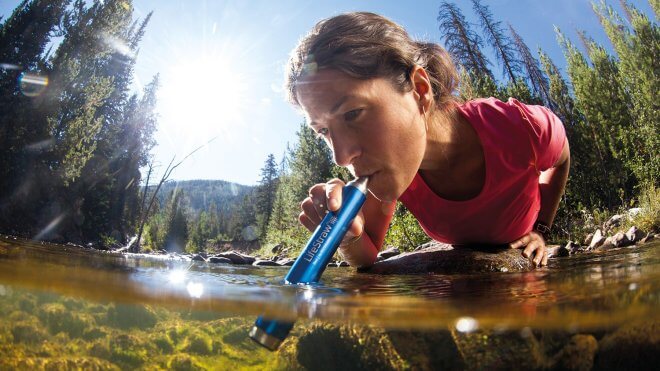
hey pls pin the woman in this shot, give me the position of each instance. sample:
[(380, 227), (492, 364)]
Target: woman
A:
[(483, 171)]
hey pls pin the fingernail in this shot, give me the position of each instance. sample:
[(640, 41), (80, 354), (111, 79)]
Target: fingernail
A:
[(333, 204)]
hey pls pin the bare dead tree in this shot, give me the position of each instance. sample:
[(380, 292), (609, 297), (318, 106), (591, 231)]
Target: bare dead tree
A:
[(166, 175)]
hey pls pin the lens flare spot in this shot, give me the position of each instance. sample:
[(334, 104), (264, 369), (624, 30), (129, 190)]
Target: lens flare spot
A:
[(177, 276), (32, 84), (466, 324), (195, 289)]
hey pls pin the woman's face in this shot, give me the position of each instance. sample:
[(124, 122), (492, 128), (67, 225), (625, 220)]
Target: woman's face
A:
[(372, 128)]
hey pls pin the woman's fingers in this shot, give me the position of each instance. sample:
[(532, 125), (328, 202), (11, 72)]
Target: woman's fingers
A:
[(333, 194), (306, 222), (522, 242), (533, 248)]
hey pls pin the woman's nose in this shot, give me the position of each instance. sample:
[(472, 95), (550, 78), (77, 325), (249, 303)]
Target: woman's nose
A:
[(345, 147)]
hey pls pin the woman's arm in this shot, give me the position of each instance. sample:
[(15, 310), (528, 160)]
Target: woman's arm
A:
[(552, 183)]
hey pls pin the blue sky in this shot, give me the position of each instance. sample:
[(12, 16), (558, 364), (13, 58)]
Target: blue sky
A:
[(221, 65)]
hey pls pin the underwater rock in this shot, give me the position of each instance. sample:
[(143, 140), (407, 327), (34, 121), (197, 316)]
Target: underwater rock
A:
[(578, 354), (184, 362), (443, 258), (486, 350), (199, 343), (427, 350), (69, 363), (634, 346), (342, 347), (125, 316), (60, 319)]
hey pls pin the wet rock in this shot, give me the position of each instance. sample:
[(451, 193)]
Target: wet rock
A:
[(573, 248), (343, 264), (634, 234), (265, 263), (578, 354), (647, 238), (596, 240), (237, 258), (286, 262), (621, 240), (443, 258), (333, 264), (633, 346), (607, 244), (198, 258), (219, 260), (388, 253), (557, 250)]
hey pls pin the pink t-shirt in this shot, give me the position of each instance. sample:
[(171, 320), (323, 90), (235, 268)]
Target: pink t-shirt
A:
[(519, 142)]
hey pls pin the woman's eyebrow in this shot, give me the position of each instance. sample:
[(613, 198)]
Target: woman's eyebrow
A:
[(336, 106)]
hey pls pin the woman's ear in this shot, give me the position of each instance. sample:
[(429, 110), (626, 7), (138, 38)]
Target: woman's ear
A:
[(421, 87)]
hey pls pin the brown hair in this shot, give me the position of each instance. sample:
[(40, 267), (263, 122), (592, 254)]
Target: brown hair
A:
[(366, 45)]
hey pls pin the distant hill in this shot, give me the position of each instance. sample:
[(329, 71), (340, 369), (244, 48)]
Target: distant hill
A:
[(201, 193)]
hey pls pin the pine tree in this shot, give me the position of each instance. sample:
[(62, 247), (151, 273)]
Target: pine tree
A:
[(23, 134), (637, 72), (502, 45), (266, 194), (535, 75), (176, 234), (600, 99), (461, 42)]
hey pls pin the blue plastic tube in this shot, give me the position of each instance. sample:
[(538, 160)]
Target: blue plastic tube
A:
[(314, 258)]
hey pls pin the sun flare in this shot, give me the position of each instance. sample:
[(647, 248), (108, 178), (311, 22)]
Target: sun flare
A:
[(202, 98)]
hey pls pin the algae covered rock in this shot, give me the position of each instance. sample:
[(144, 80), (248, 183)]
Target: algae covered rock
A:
[(342, 347), (59, 318), (635, 344), (578, 354), (184, 362), (125, 316)]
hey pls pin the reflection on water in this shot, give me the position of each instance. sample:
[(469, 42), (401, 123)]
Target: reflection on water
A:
[(62, 300)]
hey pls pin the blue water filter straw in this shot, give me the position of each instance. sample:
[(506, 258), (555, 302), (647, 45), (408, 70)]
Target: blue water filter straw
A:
[(314, 258)]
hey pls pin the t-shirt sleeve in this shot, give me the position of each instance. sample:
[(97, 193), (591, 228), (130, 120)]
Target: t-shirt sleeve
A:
[(546, 133)]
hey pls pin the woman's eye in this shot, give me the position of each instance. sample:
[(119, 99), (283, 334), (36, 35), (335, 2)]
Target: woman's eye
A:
[(322, 132), (352, 115)]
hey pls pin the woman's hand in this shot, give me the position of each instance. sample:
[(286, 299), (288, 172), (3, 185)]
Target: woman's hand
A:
[(534, 248), (324, 197)]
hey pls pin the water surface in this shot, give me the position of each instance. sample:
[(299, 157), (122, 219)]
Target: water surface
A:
[(586, 293)]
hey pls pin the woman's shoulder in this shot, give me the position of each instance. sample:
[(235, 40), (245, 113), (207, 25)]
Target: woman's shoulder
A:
[(492, 106)]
